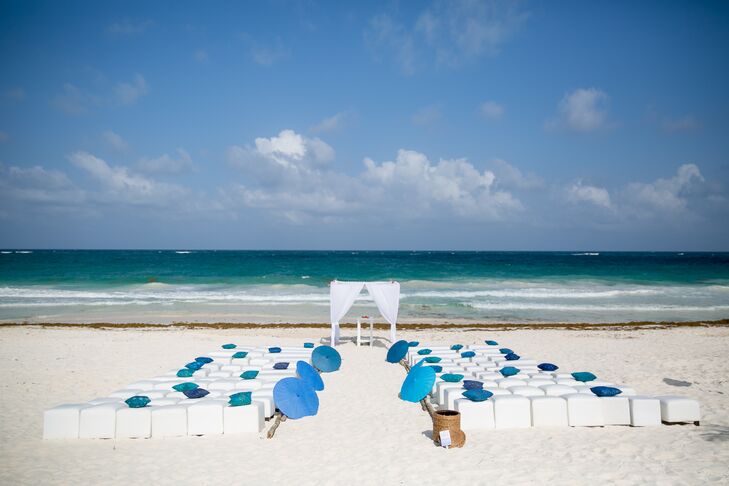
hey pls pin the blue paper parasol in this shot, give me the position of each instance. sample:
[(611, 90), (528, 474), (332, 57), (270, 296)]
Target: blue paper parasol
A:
[(295, 398), (397, 352), (307, 373), (326, 359), (417, 384)]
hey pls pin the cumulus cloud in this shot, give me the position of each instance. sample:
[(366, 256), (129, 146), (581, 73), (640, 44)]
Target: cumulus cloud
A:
[(582, 110), (579, 193), (491, 110), (115, 141), (330, 124), (37, 185), (426, 115), (129, 27), (667, 194), (167, 164), (445, 33), (121, 185), (510, 176), (283, 176)]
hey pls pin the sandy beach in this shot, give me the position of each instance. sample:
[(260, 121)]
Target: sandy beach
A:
[(363, 433)]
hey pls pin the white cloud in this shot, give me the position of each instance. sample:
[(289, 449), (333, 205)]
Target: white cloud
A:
[(129, 27), (385, 37), (579, 193), (683, 124), (37, 186), (582, 110), (200, 55), (287, 151), (329, 124), (426, 115), (128, 93), (78, 101), (167, 164), (667, 194), (123, 186), (446, 33), (509, 176), (491, 110), (115, 141)]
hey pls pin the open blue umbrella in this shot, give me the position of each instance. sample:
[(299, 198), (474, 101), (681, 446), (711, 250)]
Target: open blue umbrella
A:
[(326, 359), (295, 398), (307, 373), (417, 384), (397, 351)]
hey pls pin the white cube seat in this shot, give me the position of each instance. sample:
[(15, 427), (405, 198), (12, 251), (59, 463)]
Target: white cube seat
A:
[(557, 390), (569, 382), (160, 402), (62, 422), (99, 401), (676, 409), (615, 410), (584, 389), (248, 385), (441, 387), (265, 397), (558, 375), (258, 361), (134, 423), (584, 410), (451, 395), (549, 411), (222, 385), (626, 390), (527, 391), (166, 385), (644, 411), (540, 382), (205, 417), (498, 391), (489, 375), (240, 361), (152, 394), (169, 421), (509, 382), (175, 394), (246, 419), (511, 411), (220, 374), (475, 415), (99, 421)]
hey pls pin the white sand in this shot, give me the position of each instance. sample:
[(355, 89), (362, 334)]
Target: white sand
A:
[(363, 434)]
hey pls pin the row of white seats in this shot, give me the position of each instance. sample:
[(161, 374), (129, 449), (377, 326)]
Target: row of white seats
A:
[(170, 412)]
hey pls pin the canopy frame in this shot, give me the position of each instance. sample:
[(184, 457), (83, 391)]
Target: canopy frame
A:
[(343, 294)]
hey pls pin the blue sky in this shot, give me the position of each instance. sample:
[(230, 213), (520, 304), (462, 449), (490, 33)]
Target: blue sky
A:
[(338, 125)]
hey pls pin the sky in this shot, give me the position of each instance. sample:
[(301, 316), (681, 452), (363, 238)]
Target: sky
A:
[(444, 125)]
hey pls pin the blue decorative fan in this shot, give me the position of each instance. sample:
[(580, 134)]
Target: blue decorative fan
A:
[(309, 374), (417, 384), (295, 398), (397, 352), (326, 359)]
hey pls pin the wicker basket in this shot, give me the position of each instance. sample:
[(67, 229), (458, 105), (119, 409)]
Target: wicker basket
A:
[(449, 420)]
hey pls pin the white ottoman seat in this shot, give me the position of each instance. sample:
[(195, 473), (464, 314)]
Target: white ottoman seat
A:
[(511, 411), (244, 419), (527, 391), (62, 422), (584, 410), (205, 417), (557, 390), (644, 411), (549, 411), (99, 421), (475, 415), (679, 409), (134, 423), (169, 421), (615, 410), (441, 387), (509, 382)]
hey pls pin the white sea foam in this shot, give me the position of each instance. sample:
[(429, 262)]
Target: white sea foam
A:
[(596, 308), (536, 293), (183, 252), (587, 253)]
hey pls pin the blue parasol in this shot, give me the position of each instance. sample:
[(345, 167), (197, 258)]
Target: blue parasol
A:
[(417, 384), (295, 398), (397, 352), (326, 359), (307, 373)]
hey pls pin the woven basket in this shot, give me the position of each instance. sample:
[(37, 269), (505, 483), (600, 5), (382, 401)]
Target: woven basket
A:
[(449, 420)]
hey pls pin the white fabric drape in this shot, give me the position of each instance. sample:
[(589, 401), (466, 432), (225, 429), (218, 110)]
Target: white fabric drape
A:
[(341, 297), (387, 298), (343, 294)]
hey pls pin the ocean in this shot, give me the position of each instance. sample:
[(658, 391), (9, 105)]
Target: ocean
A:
[(292, 286)]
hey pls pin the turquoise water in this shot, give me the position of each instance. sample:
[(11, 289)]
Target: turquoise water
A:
[(273, 286)]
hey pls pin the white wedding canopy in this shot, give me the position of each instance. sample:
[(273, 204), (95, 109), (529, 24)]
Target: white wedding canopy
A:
[(343, 294)]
